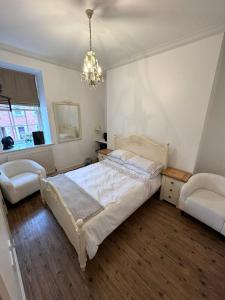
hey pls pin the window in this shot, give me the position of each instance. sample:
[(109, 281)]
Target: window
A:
[(22, 133), (18, 113), (20, 123), (29, 111)]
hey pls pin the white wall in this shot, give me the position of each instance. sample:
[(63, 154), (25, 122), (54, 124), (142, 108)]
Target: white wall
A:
[(211, 157), (64, 84), (165, 97)]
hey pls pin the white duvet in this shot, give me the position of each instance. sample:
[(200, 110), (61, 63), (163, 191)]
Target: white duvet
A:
[(119, 190)]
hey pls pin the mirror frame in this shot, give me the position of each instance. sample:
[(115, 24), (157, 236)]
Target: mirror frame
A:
[(57, 122)]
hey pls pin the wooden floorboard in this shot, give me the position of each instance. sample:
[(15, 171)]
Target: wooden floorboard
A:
[(155, 254)]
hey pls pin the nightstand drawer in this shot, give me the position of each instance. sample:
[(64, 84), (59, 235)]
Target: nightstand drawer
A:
[(170, 198), (173, 185), (172, 182), (170, 190)]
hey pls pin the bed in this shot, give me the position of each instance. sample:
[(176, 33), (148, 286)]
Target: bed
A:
[(120, 192)]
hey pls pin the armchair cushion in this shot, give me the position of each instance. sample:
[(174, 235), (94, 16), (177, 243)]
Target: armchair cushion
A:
[(25, 184), (208, 207)]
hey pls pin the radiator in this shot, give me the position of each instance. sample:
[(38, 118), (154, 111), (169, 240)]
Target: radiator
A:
[(42, 156)]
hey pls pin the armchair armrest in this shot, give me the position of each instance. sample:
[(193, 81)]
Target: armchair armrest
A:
[(34, 167), (207, 181), (5, 182), (7, 187)]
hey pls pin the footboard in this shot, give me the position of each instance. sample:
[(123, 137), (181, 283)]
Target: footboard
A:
[(73, 229)]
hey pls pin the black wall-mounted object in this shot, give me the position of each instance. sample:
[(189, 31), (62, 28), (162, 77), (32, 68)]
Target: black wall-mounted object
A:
[(102, 146), (38, 137), (7, 142), (105, 136)]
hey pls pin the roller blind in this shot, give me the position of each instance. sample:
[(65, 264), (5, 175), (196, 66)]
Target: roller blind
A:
[(19, 86)]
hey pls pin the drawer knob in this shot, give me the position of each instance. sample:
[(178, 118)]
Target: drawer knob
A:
[(169, 197), (172, 182), (171, 190)]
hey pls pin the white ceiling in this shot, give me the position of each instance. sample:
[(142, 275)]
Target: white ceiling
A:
[(123, 30)]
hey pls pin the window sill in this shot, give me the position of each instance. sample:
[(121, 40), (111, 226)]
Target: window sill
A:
[(24, 148)]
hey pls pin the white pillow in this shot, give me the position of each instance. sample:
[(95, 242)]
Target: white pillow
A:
[(117, 160), (143, 173), (123, 155), (138, 171), (149, 166)]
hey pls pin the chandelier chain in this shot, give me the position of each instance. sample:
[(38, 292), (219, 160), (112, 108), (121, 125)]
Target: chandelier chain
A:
[(90, 34)]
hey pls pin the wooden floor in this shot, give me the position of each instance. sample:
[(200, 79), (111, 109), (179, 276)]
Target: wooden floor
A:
[(156, 253)]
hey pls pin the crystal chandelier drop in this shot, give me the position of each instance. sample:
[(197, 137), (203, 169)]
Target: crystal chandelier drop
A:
[(92, 72)]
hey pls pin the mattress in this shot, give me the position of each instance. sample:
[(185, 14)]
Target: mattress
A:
[(119, 190)]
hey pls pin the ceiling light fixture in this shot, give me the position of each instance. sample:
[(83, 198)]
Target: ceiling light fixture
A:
[(92, 72)]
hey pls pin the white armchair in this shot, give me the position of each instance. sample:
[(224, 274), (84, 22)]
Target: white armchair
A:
[(203, 197), (20, 178)]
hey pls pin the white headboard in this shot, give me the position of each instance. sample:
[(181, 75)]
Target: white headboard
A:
[(143, 146)]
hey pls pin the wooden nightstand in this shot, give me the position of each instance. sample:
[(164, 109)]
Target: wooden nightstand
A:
[(172, 182), (103, 153)]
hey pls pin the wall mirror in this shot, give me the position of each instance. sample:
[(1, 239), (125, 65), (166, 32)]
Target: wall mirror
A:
[(68, 121)]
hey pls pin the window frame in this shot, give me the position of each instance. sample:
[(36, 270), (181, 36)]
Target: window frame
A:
[(14, 127)]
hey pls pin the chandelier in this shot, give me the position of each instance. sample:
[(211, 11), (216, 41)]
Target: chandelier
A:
[(92, 72)]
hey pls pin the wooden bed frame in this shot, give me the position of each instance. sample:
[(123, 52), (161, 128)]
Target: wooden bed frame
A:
[(140, 145)]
